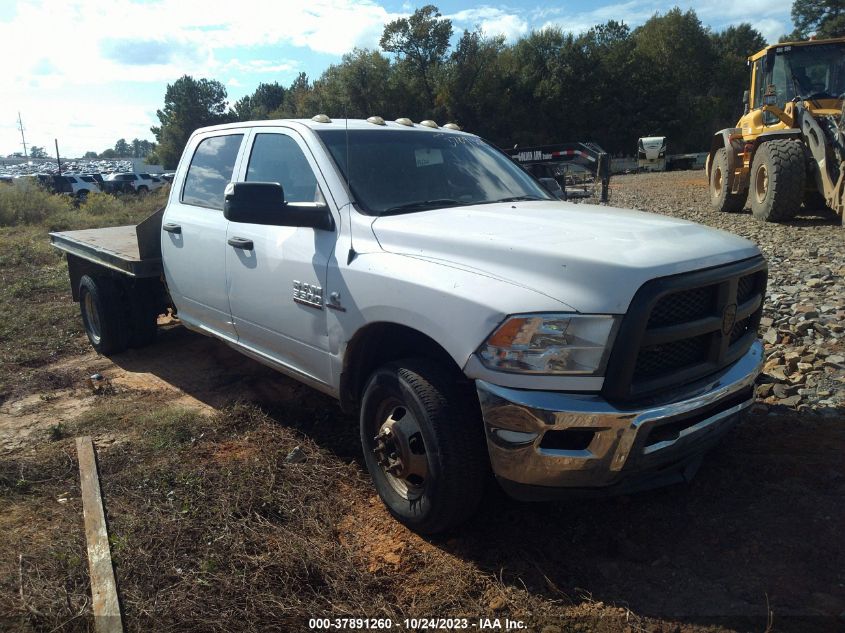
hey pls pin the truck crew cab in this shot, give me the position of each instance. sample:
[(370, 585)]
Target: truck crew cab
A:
[(426, 281)]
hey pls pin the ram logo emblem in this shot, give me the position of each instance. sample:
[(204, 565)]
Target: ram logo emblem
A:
[(308, 294)]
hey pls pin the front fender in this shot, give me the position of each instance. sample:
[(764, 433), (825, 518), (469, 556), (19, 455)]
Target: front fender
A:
[(456, 308), (729, 139)]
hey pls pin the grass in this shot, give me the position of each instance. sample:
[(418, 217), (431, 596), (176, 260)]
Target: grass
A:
[(211, 530), (39, 322)]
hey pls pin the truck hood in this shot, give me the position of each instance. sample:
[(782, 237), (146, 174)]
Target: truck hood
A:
[(591, 258)]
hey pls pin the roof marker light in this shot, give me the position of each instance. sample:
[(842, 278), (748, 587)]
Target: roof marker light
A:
[(376, 120), (429, 123), (453, 126), (405, 121), (321, 118)]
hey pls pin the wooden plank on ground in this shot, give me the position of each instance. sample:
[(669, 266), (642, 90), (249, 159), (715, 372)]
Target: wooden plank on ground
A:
[(103, 587)]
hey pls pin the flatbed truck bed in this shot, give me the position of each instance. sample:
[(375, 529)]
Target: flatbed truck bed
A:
[(115, 248), (132, 250)]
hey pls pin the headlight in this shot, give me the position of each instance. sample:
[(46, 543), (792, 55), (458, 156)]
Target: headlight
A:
[(550, 344)]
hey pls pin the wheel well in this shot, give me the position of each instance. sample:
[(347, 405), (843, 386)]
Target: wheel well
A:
[(378, 343), (77, 267), (790, 134)]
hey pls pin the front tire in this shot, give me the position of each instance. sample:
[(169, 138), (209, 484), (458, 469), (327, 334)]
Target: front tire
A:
[(102, 309), (423, 444), (721, 197), (778, 173)]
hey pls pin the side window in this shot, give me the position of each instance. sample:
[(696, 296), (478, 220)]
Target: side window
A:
[(277, 158), (759, 84), (211, 170), (781, 78)]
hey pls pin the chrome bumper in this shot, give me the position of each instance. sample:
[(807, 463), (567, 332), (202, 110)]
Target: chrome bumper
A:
[(541, 441)]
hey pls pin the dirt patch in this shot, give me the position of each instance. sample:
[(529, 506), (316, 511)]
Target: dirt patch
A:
[(375, 539), (233, 451), (29, 419), (207, 376)]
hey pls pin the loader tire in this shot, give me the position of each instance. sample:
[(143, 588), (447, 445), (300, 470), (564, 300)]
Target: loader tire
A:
[(721, 197), (778, 174)]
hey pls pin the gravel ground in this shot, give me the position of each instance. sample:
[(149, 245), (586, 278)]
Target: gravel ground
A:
[(803, 326)]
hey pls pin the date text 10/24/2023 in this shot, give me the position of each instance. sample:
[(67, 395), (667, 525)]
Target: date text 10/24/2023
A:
[(414, 624)]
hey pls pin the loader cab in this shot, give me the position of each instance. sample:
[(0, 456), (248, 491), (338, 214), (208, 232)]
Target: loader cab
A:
[(812, 71)]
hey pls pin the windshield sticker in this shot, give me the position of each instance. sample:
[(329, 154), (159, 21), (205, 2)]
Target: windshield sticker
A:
[(427, 157)]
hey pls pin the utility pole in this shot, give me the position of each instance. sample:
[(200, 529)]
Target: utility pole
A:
[(23, 139), (58, 160)]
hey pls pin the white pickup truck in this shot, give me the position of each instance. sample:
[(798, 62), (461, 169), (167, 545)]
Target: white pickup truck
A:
[(423, 279)]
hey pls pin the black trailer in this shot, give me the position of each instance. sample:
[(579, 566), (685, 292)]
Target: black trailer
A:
[(581, 169)]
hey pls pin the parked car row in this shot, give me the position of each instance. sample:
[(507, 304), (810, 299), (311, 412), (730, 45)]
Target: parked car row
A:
[(72, 166), (81, 185)]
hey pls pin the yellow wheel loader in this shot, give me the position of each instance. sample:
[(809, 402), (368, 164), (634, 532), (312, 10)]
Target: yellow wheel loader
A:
[(788, 148)]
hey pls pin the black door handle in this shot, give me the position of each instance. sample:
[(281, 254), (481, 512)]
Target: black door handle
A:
[(172, 228), (240, 242)]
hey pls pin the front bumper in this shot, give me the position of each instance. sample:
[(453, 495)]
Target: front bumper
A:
[(545, 443)]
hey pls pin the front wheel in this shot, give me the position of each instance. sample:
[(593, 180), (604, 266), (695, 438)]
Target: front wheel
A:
[(778, 173), (721, 197), (424, 445)]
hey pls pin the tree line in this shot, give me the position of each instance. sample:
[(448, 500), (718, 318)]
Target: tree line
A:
[(136, 148), (672, 77)]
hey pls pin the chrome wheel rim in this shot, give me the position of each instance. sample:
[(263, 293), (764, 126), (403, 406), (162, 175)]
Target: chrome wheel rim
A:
[(399, 450), (92, 320)]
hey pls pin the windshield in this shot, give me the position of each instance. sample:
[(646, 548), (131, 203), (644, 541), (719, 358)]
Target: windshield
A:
[(399, 171), (809, 72)]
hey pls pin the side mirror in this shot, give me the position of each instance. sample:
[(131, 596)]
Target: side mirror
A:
[(745, 97), (264, 203)]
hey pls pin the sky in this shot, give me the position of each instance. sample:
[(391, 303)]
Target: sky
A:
[(88, 72)]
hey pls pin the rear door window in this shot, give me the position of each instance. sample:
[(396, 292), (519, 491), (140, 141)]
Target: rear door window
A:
[(211, 170)]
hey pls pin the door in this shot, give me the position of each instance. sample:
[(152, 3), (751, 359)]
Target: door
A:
[(277, 273), (193, 238)]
